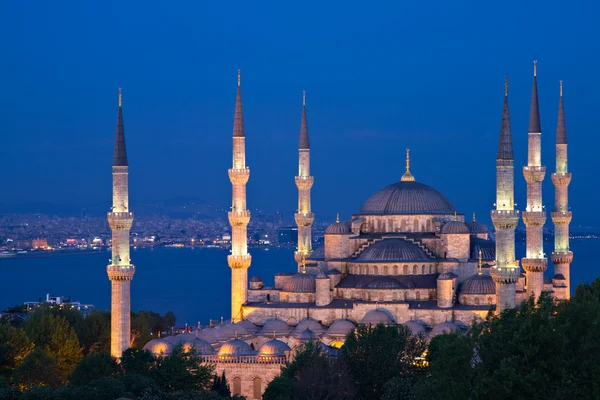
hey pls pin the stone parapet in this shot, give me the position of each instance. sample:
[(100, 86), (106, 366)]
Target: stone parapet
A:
[(119, 221), (562, 257), (560, 218), (534, 174), (534, 218), (534, 264), (239, 218), (120, 272), (561, 179), (238, 262), (239, 176), (304, 219), (505, 219), (304, 182), (505, 275)]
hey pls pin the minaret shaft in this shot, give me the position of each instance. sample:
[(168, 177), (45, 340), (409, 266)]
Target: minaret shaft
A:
[(239, 217)]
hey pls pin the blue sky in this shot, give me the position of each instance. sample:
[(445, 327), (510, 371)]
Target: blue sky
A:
[(379, 77)]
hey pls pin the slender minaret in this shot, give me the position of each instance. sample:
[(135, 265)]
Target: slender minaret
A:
[(505, 218), (304, 181), (239, 216), (535, 262), (562, 255), (120, 271)]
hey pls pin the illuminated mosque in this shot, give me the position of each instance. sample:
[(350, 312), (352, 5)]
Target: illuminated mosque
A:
[(408, 257)]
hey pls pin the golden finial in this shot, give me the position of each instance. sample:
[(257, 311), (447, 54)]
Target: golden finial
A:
[(455, 217), (480, 261), (561, 88), (337, 218), (120, 98), (238, 77), (534, 67), (304, 97), (407, 159), (473, 216), (304, 263), (506, 85), (407, 177)]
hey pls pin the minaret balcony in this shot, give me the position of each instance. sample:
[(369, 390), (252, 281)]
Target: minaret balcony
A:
[(505, 275), (304, 219), (534, 264), (562, 257), (560, 218), (534, 218), (120, 220), (505, 219), (301, 256), (239, 176), (305, 182), (561, 180), (239, 218), (120, 272), (239, 261), (534, 174)]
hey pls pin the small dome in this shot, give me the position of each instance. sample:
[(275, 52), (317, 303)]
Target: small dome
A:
[(299, 283), (444, 327), (273, 347), (478, 284), (236, 347), (159, 347), (275, 325), (385, 282), (202, 346), (322, 275), (338, 228), (476, 227), (186, 336), (393, 249), (224, 331), (245, 327), (408, 198), (306, 336), (446, 276), (208, 334), (454, 228), (340, 327), (256, 279), (311, 324), (174, 340), (415, 327), (377, 316)]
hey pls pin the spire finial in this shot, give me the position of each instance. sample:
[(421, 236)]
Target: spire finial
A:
[(561, 82), (534, 67), (407, 177), (120, 97), (455, 217), (506, 85), (480, 261), (304, 97), (474, 216), (337, 218), (304, 263), (239, 77)]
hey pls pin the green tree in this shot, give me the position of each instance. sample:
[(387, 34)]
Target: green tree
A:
[(220, 386), (38, 393), (37, 369), (93, 331), (14, 347), (170, 320), (105, 388), (181, 371), (53, 334), (137, 362), (94, 366)]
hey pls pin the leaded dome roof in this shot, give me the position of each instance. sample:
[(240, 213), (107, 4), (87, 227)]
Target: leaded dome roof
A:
[(256, 279), (311, 324), (208, 334), (235, 347), (244, 327), (478, 284), (454, 227), (393, 249), (159, 347), (444, 327), (377, 316), (273, 347), (299, 283), (476, 227), (224, 332), (385, 282), (338, 228), (340, 327), (306, 336), (407, 198), (202, 346), (275, 325), (415, 327)]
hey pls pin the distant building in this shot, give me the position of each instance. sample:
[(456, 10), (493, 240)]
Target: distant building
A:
[(288, 235), (39, 244)]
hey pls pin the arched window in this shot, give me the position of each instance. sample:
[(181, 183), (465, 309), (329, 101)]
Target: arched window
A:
[(268, 297), (395, 270), (237, 385), (431, 269), (405, 270), (414, 269), (422, 269), (418, 295), (257, 388), (375, 270), (476, 301), (385, 270), (490, 301), (416, 225)]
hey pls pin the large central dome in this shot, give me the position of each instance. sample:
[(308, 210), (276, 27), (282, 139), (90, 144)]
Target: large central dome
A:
[(407, 198)]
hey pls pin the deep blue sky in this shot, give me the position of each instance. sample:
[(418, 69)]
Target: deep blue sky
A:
[(425, 75)]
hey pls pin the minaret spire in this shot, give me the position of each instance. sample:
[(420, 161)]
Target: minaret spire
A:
[(304, 182), (120, 271), (535, 262), (407, 177), (562, 256), (239, 217), (505, 218)]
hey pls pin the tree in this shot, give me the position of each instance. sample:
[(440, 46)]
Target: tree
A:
[(137, 361), (220, 386), (181, 371), (170, 320), (14, 347), (105, 388), (53, 334), (37, 369), (93, 331), (38, 393), (94, 366)]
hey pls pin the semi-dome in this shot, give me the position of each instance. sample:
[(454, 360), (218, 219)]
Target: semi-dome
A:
[(377, 316), (407, 198), (393, 249), (275, 325), (415, 327), (385, 282), (236, 347), (201, 346), (340, 327), (311, 324), (159, 347), (454, 228), (444, 327), (478, 284), (273, 348), (306, 336), (299, 283), (338, 228)]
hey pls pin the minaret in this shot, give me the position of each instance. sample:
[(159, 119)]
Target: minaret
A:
[(534, 263), (506, 272), (304, 181), (120, 271), (562, 256), (239, 216)]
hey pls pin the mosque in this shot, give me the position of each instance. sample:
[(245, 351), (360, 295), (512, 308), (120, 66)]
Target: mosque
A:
[(408, 256)]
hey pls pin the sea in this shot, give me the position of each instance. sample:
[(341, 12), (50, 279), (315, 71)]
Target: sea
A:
[(194, 283)]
